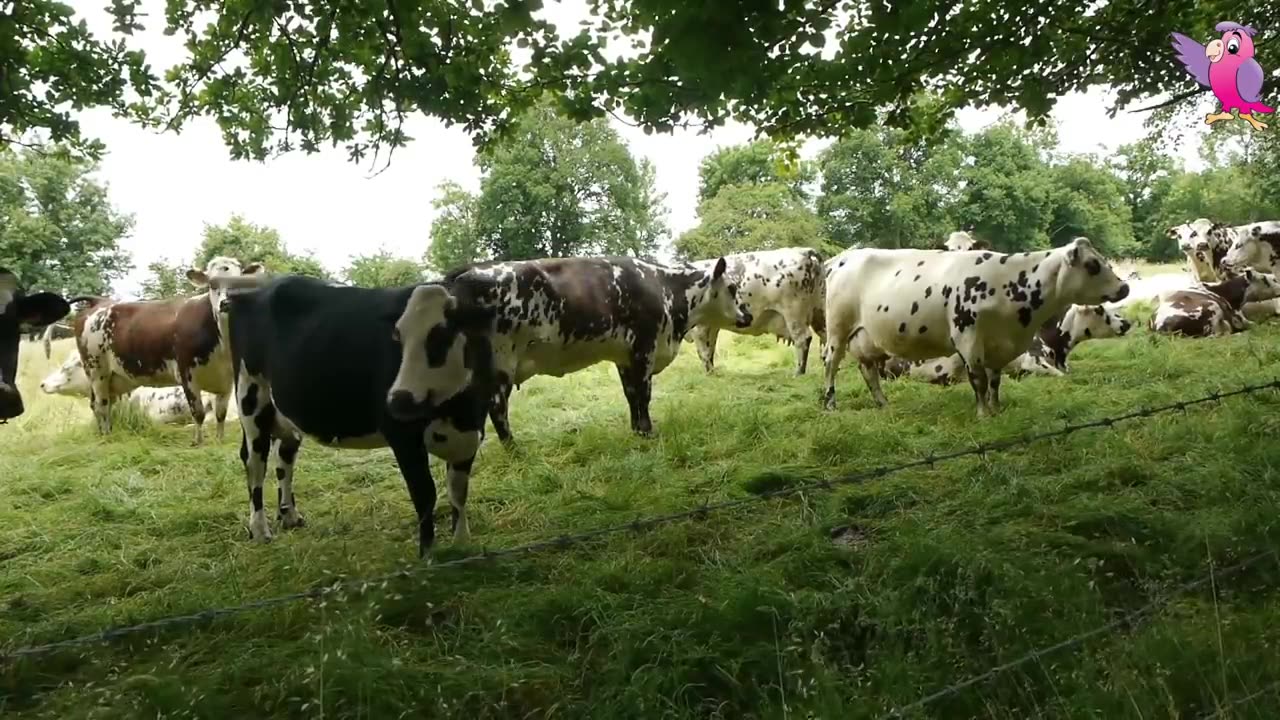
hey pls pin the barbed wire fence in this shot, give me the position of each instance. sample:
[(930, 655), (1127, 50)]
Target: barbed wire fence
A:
[(565, 541)]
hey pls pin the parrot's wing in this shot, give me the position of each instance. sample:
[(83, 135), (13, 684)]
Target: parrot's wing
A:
[(1191, 55), (1249, 80)]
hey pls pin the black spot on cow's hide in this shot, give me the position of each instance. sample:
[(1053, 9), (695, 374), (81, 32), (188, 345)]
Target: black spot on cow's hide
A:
[(937, 368), (928, 291), (915, 278), (898, 273), (924, 329), (946, 291), (919, 263), (1004, 259), (915, 307), (902, 327), (1024, 315)]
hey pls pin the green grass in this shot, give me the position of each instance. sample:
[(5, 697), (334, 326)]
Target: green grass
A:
[(932, 576)]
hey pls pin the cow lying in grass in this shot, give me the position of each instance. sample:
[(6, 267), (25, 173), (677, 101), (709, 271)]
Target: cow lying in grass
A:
[(166, 405), (1214, 309)]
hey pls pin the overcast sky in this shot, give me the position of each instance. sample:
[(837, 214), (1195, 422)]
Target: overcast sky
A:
[(175, 183)]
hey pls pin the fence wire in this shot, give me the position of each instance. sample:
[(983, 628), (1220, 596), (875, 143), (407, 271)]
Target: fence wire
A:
[(567, 540)]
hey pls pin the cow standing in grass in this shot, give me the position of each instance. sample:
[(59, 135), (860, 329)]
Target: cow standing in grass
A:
[(780, 288), (19, 312), (160, 343), (408, 368), (560, 315), (986, 306)]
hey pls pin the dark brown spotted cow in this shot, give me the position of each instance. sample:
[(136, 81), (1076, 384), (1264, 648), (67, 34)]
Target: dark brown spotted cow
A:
[(19, 313), (986, 306), (161, 343), (560, 315), (1214, 309)]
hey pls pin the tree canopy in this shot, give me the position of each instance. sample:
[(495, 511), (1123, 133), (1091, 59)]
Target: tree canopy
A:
[(754, 163), (554, 188), (742, 218), (382, 269), (285, 76), (58, 229)]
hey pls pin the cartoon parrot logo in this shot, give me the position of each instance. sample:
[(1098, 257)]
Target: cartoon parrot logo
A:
[(1227, 67)]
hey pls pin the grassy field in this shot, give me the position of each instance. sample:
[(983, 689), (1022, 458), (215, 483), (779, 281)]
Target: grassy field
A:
[(828, 605)]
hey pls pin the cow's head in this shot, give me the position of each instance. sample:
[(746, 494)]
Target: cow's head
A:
[(19, 313), (1247, 249), (1087, 278), (714, 301), (432, 332), (1093, 322), (68, 379), (216, 268), (1259, 285), (961, 240)]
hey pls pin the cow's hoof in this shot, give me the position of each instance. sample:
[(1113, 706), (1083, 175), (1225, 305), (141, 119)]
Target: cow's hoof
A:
[(258, 530), (291, 519)]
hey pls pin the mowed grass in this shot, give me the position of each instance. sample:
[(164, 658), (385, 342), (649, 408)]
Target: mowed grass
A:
[(828, 605)]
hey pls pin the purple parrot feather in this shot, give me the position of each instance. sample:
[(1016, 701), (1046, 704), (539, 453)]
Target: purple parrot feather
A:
[(1228, 26), (1249, 81), (1191, 55)]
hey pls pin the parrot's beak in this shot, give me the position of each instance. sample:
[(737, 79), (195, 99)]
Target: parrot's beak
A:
[(1213, 50)]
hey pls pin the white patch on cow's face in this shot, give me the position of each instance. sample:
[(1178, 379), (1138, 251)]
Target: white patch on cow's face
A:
[(715, 301), (1088, 278), (68, 379), (1092, 322), (433, 353), (959, 241)]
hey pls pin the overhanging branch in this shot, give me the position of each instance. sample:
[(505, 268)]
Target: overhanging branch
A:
[(1173, 100)]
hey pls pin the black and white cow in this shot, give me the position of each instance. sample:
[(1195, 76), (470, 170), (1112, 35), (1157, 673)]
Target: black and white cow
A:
[(560, 315), (1214, 309), (986, 306), (350, 367), (1256, 246), (1047, 355), (20, 313), (779, 288), (960, 241)]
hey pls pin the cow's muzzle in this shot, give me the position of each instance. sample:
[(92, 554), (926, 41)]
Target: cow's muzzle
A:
[(1125, 326), (744, 320), (10, 401), (402, 406), (1119, 295)]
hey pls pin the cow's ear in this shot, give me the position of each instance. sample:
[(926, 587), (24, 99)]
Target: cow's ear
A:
[(42, 309), (1256, 231), (197, 277), (721, 266), (252, 268)]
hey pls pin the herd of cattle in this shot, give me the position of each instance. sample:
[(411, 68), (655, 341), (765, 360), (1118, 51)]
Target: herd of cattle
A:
[(420, 368)]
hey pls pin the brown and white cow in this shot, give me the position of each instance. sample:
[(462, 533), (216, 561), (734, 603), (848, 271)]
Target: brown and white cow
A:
[(161, 343), (780, 288), (1215, 309), (560, 315), (19, 312)]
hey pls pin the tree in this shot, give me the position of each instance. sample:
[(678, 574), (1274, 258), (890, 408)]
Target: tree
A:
[(1147, 177), (758, 163), (455, 239), (883, 188), (1088, 199), (285, 76), (1007, 195), (165, 279), (556, 188), (249, 243), (742, 218), (382, 269), (58, 230)]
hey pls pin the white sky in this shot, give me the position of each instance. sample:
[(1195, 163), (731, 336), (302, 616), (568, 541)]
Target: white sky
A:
[(175, 183)]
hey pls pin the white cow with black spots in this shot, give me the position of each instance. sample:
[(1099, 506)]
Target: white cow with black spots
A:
[(780, 288), (1203, 243), (986, 306), (1256, 245), (161, 404)]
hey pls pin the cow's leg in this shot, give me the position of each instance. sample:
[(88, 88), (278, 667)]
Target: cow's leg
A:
[(100, 402), (966, 344), (257, 420), (459, 483), (411, 456), (196, 403), (705, 339), (498, 409), (871, 374), (832, 355), (799, 334), (286, 456), (220, 403), (637, 385), (993, 390)]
